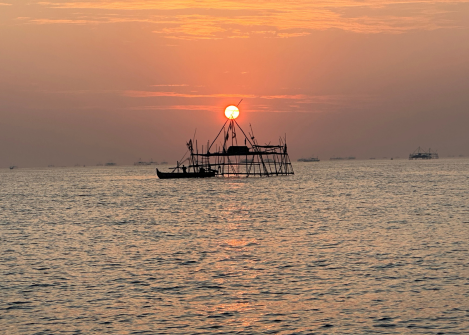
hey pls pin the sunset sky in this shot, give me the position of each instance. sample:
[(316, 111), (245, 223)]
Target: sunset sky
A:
[(95, 81)]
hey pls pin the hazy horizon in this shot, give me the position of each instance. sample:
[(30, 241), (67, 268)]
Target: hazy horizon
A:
[(90, 82)]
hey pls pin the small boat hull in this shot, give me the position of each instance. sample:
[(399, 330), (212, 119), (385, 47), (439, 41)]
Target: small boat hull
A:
[(173, 175)]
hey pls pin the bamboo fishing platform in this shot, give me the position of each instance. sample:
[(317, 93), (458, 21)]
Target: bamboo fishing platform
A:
[(233, 153)]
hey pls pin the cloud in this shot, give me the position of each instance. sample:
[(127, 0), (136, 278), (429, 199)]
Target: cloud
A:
[(147, 94), (285, 96), (258, 103), (170, 85), (206, 19), (63, 21), (175, 107)]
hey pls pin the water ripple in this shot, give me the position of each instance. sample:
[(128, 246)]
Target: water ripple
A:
[(360, 247)]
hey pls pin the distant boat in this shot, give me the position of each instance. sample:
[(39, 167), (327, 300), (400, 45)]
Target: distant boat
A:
[(110, 164), (342, 158), (13, 167), (422, 154), (140, 162), (311, 159)]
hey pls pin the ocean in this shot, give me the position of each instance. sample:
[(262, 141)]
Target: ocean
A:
[(341, 247)]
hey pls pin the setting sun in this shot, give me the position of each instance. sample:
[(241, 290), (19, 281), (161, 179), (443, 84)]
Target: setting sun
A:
[(231, 112)]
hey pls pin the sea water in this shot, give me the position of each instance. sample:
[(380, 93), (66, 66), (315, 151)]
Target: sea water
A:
[(341, 247)]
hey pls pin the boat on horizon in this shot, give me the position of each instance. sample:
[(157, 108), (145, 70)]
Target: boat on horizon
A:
[(144, 163), (422, 154), (310, 159), (342, 158)]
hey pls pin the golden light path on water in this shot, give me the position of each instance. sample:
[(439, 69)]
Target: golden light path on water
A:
[(351, 247)]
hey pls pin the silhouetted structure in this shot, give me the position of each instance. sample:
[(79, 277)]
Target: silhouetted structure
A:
[(422, 154), (229, 158)]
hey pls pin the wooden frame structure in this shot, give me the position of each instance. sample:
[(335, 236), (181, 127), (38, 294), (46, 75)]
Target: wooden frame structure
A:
[(228, 158)]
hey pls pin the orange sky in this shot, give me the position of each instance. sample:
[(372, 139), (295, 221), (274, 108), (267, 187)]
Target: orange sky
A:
[(90, 81)]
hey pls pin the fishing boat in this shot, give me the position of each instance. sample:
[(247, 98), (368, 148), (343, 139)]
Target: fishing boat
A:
[(200, 174)]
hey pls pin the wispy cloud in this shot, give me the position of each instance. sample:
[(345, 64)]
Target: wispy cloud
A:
[(147, 94), (286, 96), (62, 21), (176, 107), (258, 103), (207, 19), (170, 85)]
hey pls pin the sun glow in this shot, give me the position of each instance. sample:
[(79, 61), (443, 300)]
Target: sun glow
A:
[(231, 112)]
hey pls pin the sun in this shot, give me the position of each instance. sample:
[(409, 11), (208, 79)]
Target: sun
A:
[(231, 112)]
